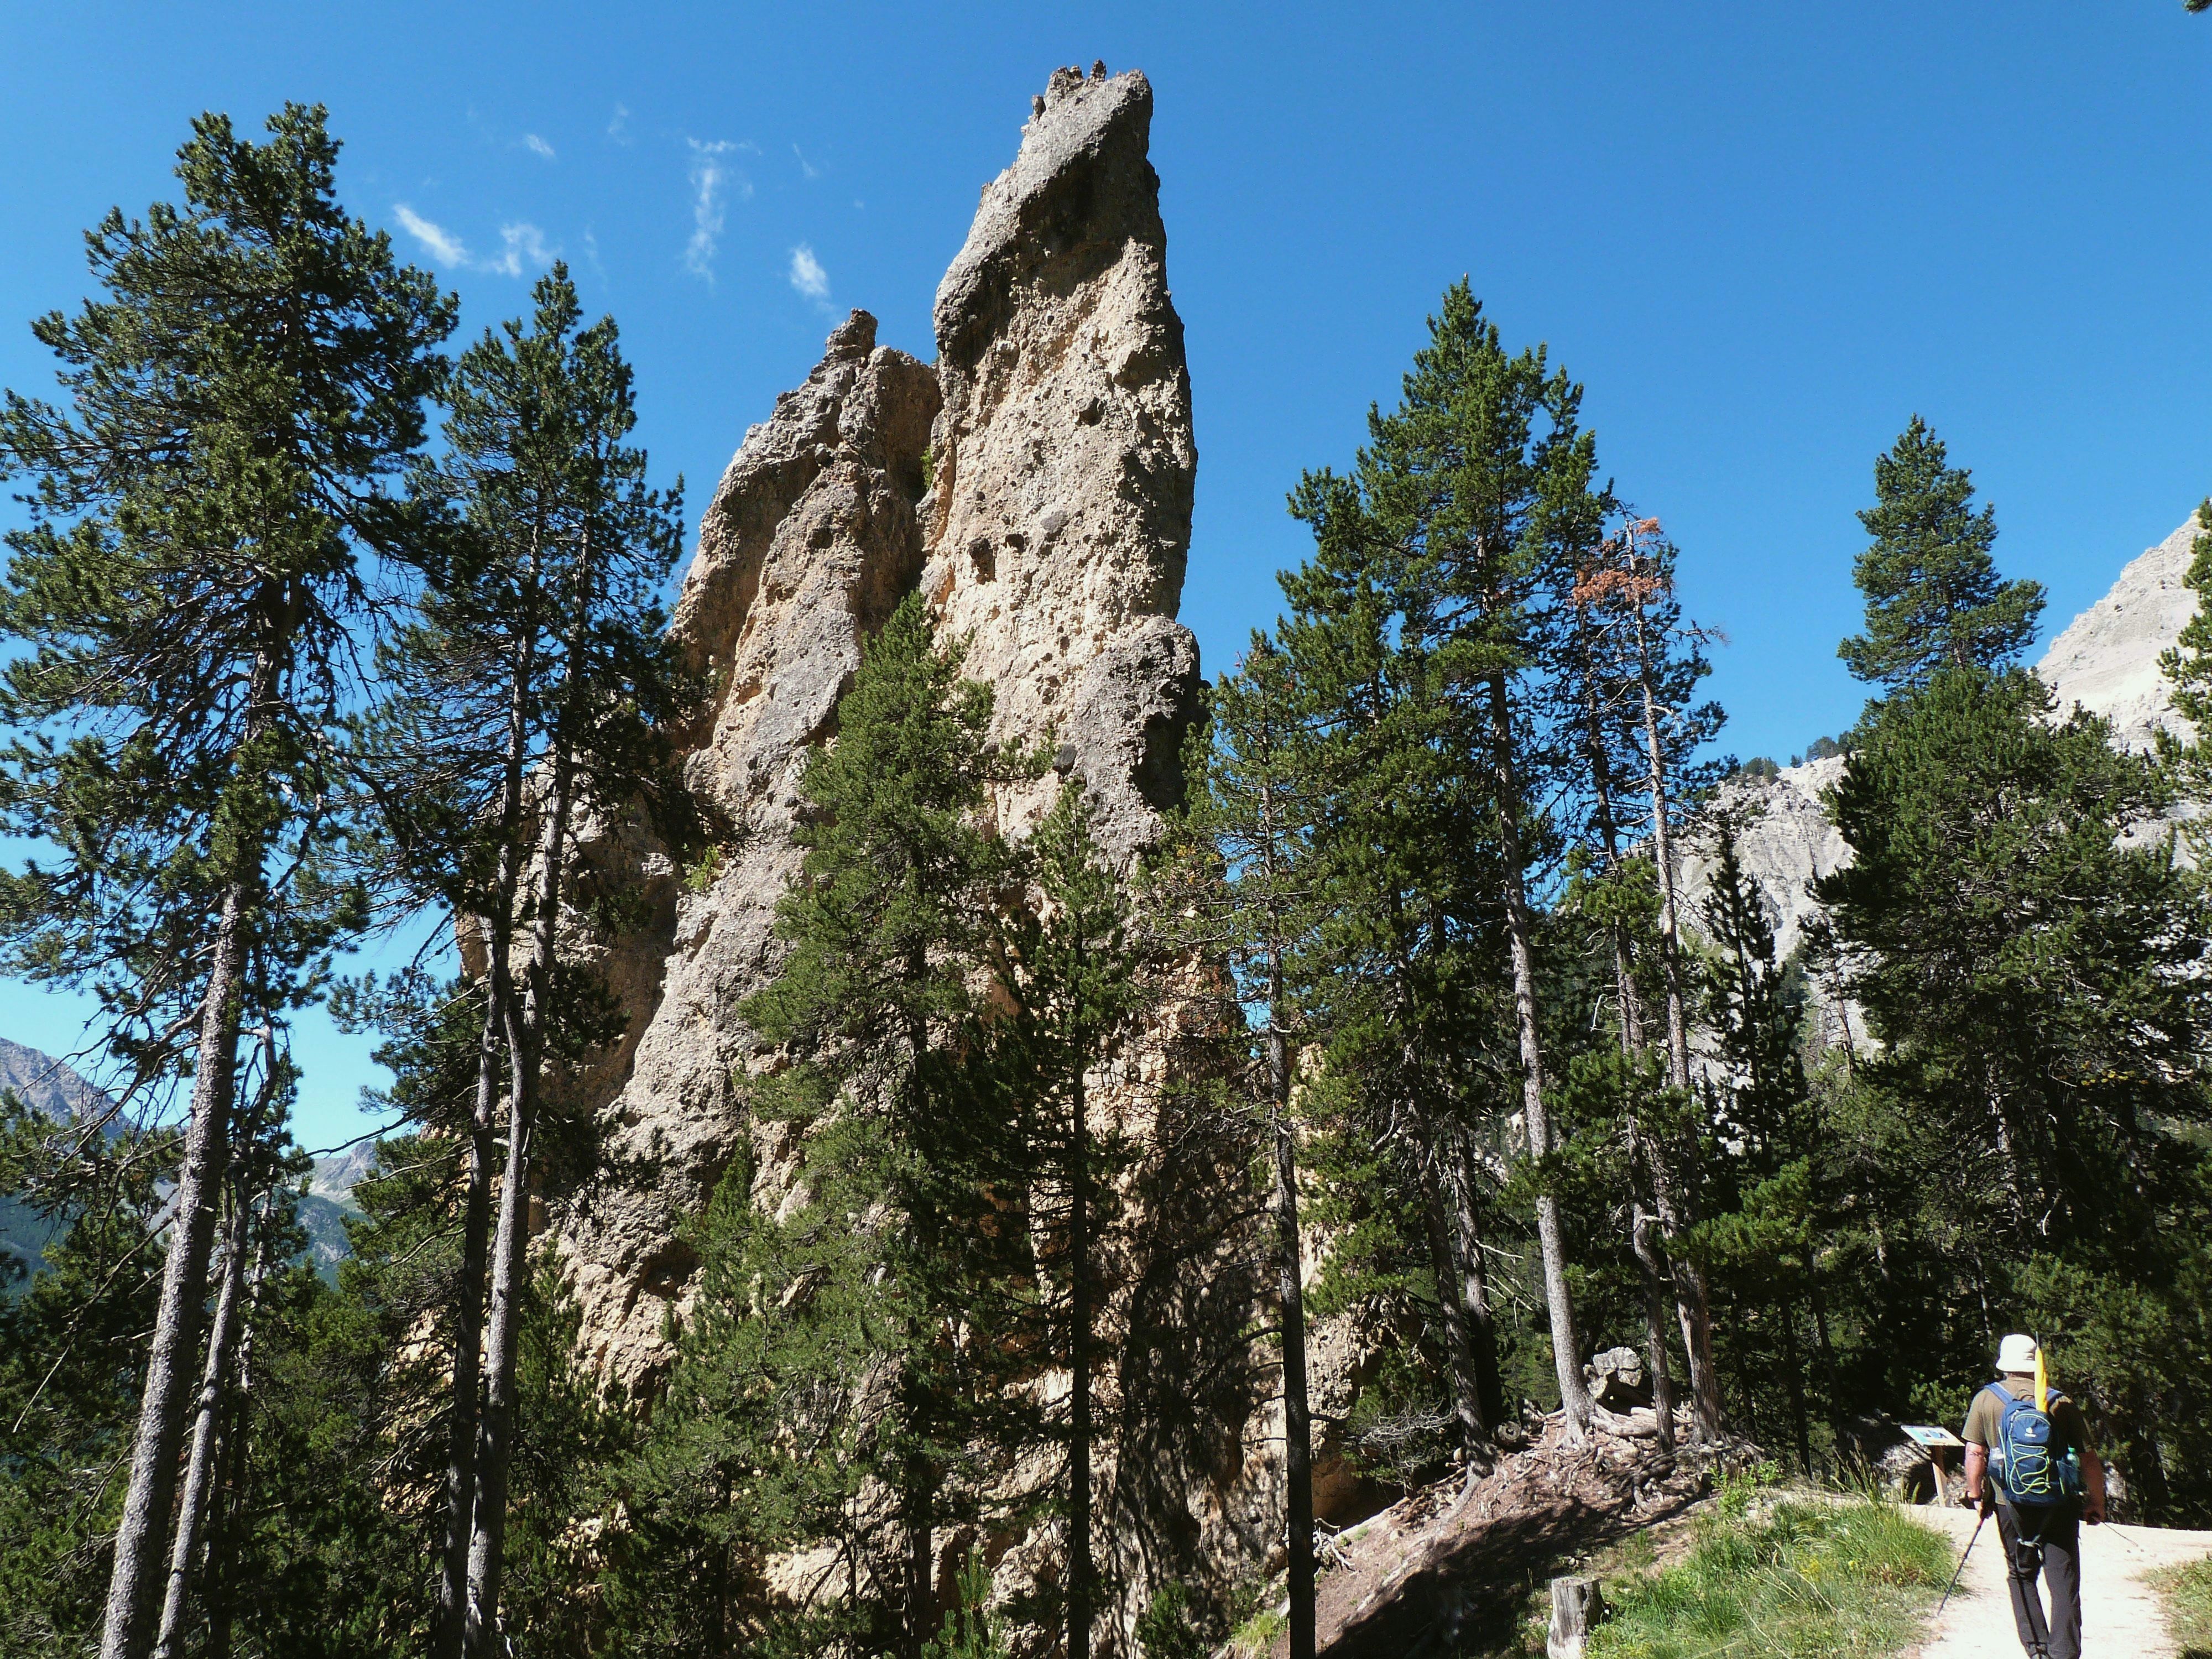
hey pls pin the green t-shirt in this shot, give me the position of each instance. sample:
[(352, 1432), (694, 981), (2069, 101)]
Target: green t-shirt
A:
[(1981, 1430)]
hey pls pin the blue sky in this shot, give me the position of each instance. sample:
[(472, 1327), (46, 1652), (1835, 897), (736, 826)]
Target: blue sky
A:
[(1762, 235)]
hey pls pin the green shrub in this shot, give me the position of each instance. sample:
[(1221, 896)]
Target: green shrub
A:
[(699, 875), (1167, 1628)]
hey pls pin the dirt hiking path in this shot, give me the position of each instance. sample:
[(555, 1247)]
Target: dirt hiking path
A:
[(2121, 1615)]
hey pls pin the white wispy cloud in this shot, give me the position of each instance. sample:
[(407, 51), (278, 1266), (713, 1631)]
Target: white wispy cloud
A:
[(444, 246), (808, 276), (538, 146), (525, 250), (712, 181), (522, 246), (806, 166), (618, 127)]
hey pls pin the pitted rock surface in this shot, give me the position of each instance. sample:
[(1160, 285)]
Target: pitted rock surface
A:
[(1060, 518), (812, 537)]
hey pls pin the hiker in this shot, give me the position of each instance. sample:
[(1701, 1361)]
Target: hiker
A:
[(2029, 1457)]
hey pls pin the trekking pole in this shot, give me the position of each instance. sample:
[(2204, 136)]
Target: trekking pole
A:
[(1979, 1521)]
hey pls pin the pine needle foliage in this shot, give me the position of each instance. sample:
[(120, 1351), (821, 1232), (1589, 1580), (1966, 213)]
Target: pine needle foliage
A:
[(2028, 957), (192, 599)]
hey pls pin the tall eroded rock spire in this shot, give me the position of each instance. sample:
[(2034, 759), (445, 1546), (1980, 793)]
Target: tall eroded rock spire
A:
[(1037, 485), (1061, 516)]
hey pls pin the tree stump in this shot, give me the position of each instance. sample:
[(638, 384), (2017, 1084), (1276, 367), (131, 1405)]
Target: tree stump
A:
[(1577, 1604)]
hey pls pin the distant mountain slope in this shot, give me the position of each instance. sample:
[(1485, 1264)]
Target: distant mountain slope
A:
[(335, 1178), (54, 1089), (2107, 660), (46, 1085)]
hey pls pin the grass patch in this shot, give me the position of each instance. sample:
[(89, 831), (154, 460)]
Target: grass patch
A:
[(1257, 1634), (1782, 1578), (2188, 1593)]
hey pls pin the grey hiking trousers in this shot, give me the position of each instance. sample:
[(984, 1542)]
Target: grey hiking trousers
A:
[(2045, 1542)]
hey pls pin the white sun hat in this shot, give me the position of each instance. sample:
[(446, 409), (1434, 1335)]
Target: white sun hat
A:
[(2017, 1353)]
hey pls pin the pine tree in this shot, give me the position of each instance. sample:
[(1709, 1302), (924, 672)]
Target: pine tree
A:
[(1249, 808), (2029, 968), (1074, 988), (189, 590), (1628, 614), (1402, 871), (1462, 506), (535, 641), (560, 583), (1765, 1202), (1934, 599), (875, 1317)]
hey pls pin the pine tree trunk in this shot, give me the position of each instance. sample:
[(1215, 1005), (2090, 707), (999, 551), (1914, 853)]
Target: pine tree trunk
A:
[(1443, 1262), (919, 1557), (1298, 1420), (468, 1335), (140, 1541), (1629, 1010), (1794, 1371), (1438, 1152), (1474, 1290), (495, 1449), (1078, 1404), (1690, 1298), (525, 1028), (1290, 1271), (451, 1636), (1653, 1273), (199, 1468), (222, 1533), (527, 1014), (1694, 1301), (1566, 1343)]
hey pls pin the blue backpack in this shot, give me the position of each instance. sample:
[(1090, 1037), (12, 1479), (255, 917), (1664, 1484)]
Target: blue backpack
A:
[(2032, 1469)]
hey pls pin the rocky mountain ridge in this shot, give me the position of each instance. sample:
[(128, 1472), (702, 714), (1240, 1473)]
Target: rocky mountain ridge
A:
[(51, 1087)]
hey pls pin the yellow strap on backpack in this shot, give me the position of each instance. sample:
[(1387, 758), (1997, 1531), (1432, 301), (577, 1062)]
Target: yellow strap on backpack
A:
[(2042, 1383)]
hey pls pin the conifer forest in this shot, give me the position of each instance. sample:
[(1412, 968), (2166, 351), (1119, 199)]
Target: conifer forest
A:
[(920, 1124)]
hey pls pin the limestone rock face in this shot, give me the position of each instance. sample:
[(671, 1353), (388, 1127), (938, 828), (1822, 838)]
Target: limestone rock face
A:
[(811, 539), (1055, 429), (1064, 465), (1787, 844), (2107, 658)]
